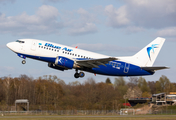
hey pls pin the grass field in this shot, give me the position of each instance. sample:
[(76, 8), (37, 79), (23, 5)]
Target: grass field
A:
[(139, 117)]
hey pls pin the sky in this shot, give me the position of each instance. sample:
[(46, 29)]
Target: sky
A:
[(111, 27)]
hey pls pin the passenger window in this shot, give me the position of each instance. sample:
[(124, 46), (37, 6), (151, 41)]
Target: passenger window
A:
[(78, 55), (49, 48), (65, 52), (42, 47), (57, 50), (39, 46), (73, 54)]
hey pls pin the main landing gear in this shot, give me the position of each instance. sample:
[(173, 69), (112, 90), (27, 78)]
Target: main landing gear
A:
[(24, 62), (77, 75)]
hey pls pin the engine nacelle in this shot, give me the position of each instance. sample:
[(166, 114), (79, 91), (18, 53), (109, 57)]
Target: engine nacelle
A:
[(64, 62), (51, 65)]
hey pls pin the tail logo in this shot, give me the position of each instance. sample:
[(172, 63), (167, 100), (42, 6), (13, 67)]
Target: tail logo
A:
[(151, 48)]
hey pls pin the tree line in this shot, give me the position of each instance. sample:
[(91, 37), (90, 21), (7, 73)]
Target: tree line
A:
[(51, 93)]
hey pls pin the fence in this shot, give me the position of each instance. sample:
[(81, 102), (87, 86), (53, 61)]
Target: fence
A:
[(83, 112), (162, 112), (62, 112), (127, 111)]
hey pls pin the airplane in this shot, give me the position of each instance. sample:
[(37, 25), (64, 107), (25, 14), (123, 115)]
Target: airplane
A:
[(62, 57)]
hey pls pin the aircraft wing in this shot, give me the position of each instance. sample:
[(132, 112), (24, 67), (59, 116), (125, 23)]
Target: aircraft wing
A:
[(94, 63), (154, 68)]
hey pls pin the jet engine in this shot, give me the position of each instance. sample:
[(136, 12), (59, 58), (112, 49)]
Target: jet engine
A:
[(51, 65), (64, 62)]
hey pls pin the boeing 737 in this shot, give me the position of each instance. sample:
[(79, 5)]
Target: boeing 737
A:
[(62, 57)]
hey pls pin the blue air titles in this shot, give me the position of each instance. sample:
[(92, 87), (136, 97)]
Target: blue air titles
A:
[(66, 49), (57, 47), (53, 46)]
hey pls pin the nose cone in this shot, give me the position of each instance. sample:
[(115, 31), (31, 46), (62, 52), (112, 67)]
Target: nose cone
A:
[(9, 45)]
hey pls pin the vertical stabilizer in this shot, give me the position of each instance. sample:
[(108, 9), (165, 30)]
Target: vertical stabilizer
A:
[(147, 56)]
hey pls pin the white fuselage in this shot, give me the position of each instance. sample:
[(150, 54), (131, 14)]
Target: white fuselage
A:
[(32, 47)]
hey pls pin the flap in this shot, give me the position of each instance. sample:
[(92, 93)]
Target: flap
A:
[(94, 63)]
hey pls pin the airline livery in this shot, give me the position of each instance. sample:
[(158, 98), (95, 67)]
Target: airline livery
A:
[(62, 57)]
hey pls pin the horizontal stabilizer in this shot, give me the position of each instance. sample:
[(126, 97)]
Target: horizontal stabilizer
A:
[(154, 68)]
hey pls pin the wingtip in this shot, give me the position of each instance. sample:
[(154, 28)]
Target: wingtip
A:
[(167, 67)]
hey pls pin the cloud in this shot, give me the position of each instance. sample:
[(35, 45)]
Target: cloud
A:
[(143, 14), (155, 14), (6, 69), (134, 16), (80, 22), (54, 1), (168, 32), (44, 21), (47, 20), (4, 1), (86, 16), (133, 29), (9, 68), (87, 28), (117, 17), (47, 11)]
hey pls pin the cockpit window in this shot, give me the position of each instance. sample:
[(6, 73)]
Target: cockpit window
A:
[(20, 41)]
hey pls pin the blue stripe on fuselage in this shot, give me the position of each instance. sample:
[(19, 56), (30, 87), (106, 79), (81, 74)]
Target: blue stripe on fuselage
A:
[(45, 59), (120, 70), (113, 68)]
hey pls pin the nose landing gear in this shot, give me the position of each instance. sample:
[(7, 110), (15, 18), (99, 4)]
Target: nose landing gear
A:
[(24, 62), (77, 75), (22, 56)]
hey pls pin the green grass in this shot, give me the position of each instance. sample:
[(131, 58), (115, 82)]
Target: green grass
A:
[(136, 117)]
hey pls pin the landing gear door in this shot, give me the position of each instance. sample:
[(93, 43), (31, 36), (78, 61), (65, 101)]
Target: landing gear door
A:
[(34, 45), (127, 66)]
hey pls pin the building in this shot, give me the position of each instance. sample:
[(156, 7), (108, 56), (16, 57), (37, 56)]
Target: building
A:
[(158, 99)]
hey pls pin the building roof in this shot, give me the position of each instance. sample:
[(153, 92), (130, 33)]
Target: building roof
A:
[(154, 95), (21, 101)]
